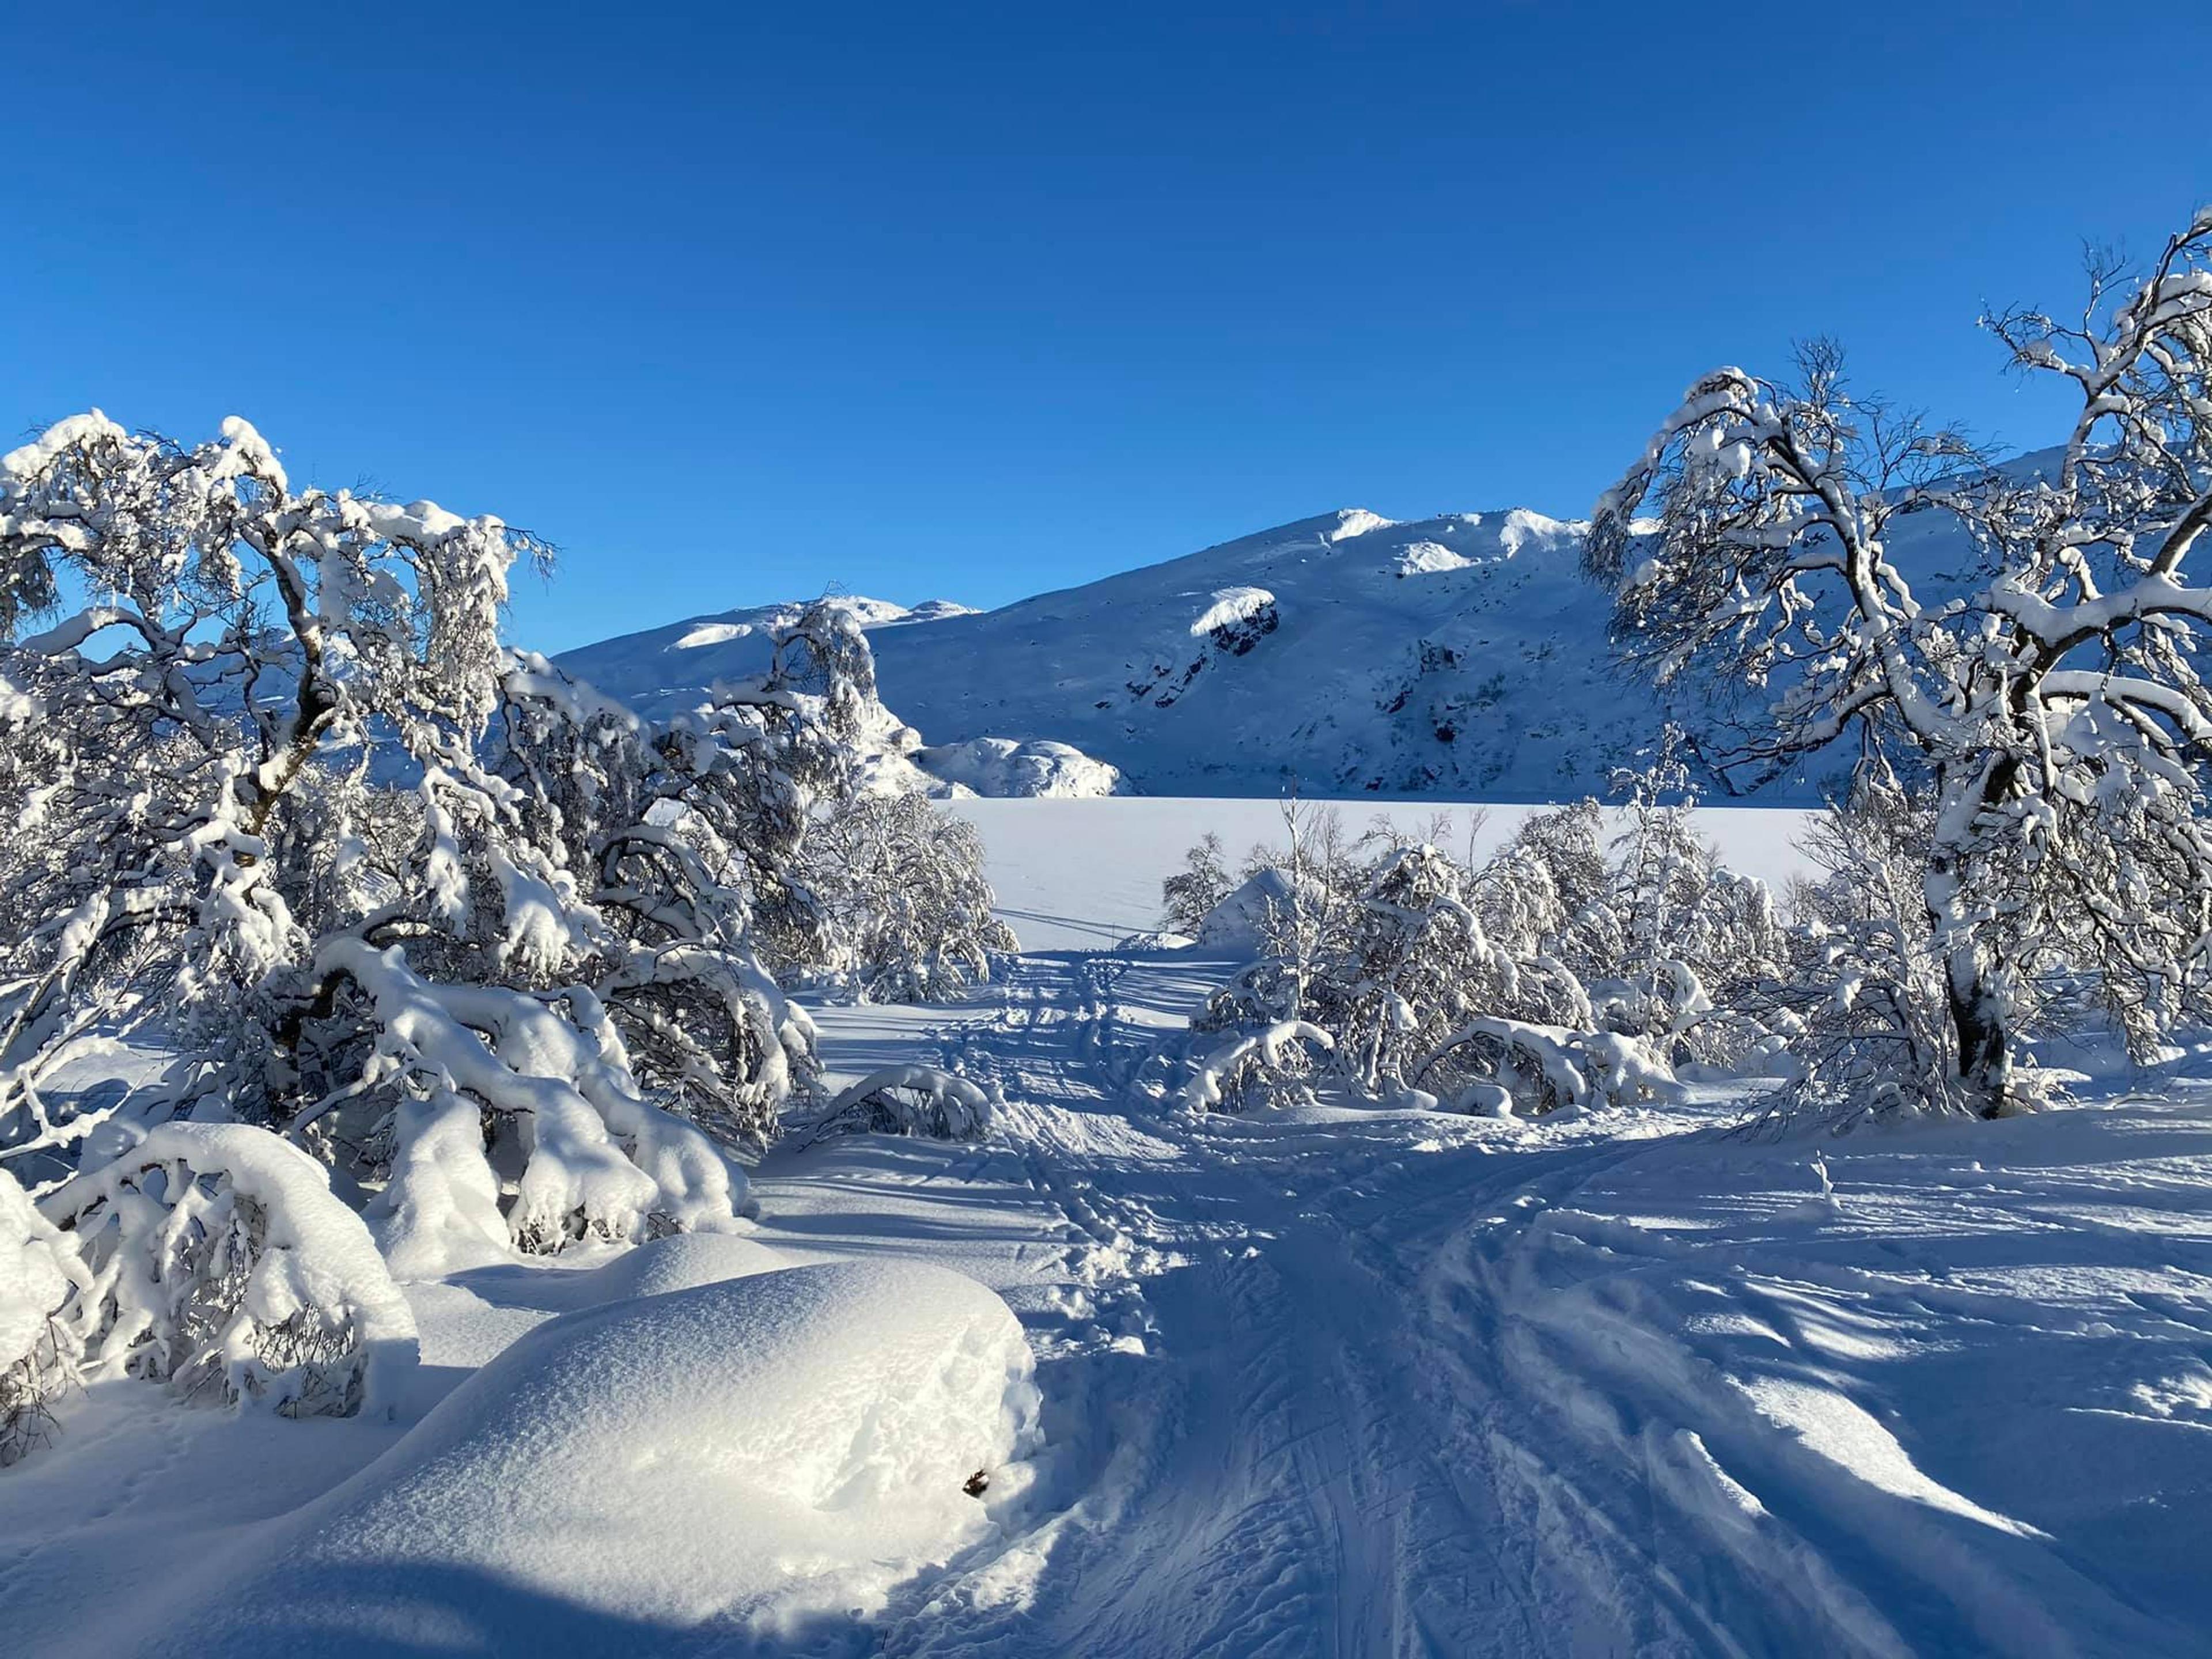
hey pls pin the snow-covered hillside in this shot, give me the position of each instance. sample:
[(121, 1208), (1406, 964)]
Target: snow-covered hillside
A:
[(663, 673), (1463, 656)]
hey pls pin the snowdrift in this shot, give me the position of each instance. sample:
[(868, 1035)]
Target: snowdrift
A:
[(743, 1454)]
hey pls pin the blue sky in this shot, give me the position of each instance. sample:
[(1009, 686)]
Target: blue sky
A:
[(735, 303)]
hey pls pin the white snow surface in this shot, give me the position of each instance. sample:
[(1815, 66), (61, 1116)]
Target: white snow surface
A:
[(1464, 656), (1336, 1381)]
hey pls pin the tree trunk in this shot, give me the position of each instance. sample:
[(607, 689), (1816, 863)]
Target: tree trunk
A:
[(1985, 1057), (1985, 1045)]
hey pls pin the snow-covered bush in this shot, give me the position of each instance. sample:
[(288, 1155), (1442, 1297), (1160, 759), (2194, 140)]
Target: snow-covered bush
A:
[(1271, 1064), (41, 1274), (1873, 1036), (1559, 971), (910, 1100), (2049, 700), (214, 1256), (1693, 943), (1189, 897), (1494, 1066), (908, 908), (287, 800)]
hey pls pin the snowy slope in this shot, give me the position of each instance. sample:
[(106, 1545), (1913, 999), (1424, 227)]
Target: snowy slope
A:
[(1461, 656)]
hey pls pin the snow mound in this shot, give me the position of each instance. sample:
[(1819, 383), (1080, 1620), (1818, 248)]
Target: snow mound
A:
[(1522, 528), (935, 610), (1356, 521), (743, 1454), (1003, 767), (682, 1261), (1426, 558), (1235, 924)]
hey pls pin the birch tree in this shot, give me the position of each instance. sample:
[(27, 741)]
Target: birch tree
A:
[(2048, 699)]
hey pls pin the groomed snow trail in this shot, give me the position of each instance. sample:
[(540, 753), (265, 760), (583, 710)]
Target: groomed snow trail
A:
[(1369, 1383)]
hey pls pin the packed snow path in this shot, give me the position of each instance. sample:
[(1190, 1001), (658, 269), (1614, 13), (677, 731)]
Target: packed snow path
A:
[(1397, 1383)]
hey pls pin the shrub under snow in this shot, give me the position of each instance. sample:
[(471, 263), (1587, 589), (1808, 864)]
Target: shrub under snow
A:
[(788, 1443), (40, 1274), (910, 1100), (1559, 973), (1261, 1062), (214, 1255)]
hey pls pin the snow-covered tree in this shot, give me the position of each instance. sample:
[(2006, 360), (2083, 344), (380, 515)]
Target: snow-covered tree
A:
[(908, 908), (287, 800), (1686, 935), (1189, 894), (1865, 990), (1550, 891), (2050, 697)]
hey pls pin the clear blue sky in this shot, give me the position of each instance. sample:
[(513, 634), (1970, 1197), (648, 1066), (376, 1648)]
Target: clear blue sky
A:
[(735, 302)]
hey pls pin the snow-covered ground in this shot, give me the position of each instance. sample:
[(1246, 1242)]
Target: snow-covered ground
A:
[(1338, 1382)]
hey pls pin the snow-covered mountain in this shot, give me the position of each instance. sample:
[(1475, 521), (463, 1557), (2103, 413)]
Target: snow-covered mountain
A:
[(1460, 656)]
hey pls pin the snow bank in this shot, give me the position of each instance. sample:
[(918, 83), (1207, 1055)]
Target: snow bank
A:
[(1003, 767), (708, 634), (682, 1261), (744, 1453), (1428, 558), (1352, 522)]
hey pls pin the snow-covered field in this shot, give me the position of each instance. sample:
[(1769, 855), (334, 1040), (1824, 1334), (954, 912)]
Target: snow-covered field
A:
[(1083, 874), (1337, 1382)]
